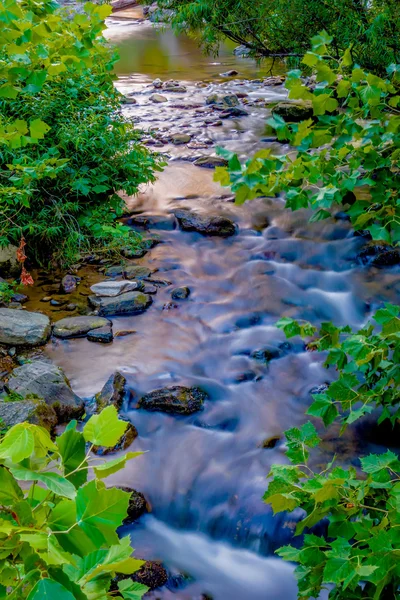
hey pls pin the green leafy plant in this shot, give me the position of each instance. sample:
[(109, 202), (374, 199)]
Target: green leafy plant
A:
[(7, 291), (347, 154), (367, 364), (58, 527), (65, 148)]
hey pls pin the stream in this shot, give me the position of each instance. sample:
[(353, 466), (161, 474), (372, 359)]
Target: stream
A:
[(204, 475)]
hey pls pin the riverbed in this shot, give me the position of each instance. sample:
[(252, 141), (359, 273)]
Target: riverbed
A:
[(204, 475)]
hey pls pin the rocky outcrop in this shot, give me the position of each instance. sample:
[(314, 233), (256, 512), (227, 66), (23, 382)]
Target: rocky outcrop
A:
[(112, 393), (23, 328), (32, 411), (44, 381), (205, 224), (72, 327), (176, 400), (294, 111), (131, 303)]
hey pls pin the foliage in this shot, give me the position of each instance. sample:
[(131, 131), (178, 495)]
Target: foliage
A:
[(7, 291), (358, 555), (284, 27), (57, 529), (347, 154), (65, 148), (367, 363)]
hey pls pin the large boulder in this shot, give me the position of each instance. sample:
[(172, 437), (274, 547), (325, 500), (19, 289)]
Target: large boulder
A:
[(294, 111), (32, 411), (23, 328), (9, 264), (45, 381), (112, 393), (131, 303), (113, 288), (205, 224), (71, 327), (177, 400)]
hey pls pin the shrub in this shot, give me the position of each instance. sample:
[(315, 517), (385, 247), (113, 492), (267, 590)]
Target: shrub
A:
[(65, 148), (57, 529)]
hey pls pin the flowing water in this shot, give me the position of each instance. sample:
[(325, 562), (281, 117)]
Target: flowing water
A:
[(204, 475)]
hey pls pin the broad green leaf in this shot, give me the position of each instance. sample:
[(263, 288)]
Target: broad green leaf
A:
[(53, 481), (63, 518), (18, 443), (47, 589), (131, 590), (10, 492), (112, 466), (72, 447), (38, 129), (105, 429)]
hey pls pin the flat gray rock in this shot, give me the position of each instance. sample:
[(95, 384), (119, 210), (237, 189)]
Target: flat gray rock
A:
[(71, 327), (205, 224), (113, 288), (35, 412), (131, 303), (23, 328), (45, 381)]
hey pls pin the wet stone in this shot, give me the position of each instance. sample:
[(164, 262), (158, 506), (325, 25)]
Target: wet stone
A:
[(23, 328), (137, 272), (177, 400), (210, 162), (231, 73), (230, 100), (68, 284), (112, 393), (152, 574), (294, 111), (113, 288), (137, 505), (266, 354), (235, 111), (103, 335), (158, 98), (116, 271), (21, 298), (205, 224), (71, 327), (130, 303), (180, 293), (179, 139)]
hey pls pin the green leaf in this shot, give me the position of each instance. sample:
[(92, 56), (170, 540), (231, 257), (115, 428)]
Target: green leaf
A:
[(38, 129), (72, 447), (53, 481), (10, 492), (18, 443), (131, 590), (104, 429), (48, 589), (112, 466), (376, 462)]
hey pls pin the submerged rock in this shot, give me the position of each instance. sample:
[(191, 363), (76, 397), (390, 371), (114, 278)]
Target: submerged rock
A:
[(158, 98), (205, 224), (152, 574), (231, 73), (266, 354), (112, 393), (294, 111), (23, 328), (113, 288), (180, 138), (177, 400), (68, 284), (230, 100), (235, 111), (379, 255), (45, 381), (130, 303), (137, 505), (71, 327), (31, 411), (137, 272), (102, 335), (180, 293), (210, 162), (115, 271)]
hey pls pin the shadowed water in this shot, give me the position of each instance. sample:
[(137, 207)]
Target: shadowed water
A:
[(204, 475)]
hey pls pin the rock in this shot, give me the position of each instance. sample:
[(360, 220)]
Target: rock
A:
[(157, 83), (180, 293), (212, 99), (68, 284), (180, 138), (15, 305), (266, 354), (386, 259), (235, 111), (55, 302), (115, 271), (231, 73), (210, 162), (379, 255), (230, 100), (274, 80), (46, 299), (113, 288), (177, 400), (124, 332), (137, 505), (112, 393), (102, 335), (31, 411), (241, 51), (23, 328), (21, 298), (294, 111), (152, 574), (46, 381), (271, 442), (72, 327), (126, 440), (71, 307), (130, 303), (9, 264), (150, 289), (129, 100), (205, 224), (178, 89), (158, 98), (137, 272), (133, 253)]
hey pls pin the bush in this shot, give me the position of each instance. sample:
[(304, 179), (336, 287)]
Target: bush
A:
[(65, 148), (57, 529), (348, 154)]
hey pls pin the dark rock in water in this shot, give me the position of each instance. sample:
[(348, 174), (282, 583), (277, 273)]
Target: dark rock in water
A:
[(235, 111), (54, 302), (271, 442), (152, 574), (205, 224), (169, 306), (212, 99), (180, 293), (150, 289), (130, 303), (68, 284), (21, 298), (266, 354), (294, 111), (45, 381), (116, 271), (128, 100), (23, 328), (137, 505), (180, 138), (231, 73), (177, 400), (379, 255), (158, 98), (102, 335), (31, 411), (210, 162), (386, 259), (246, 376), (137, 272), (177, 89), (126, 440), (112, 393), (230, 100), (341, 216), (133, 253), (71, 327)]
